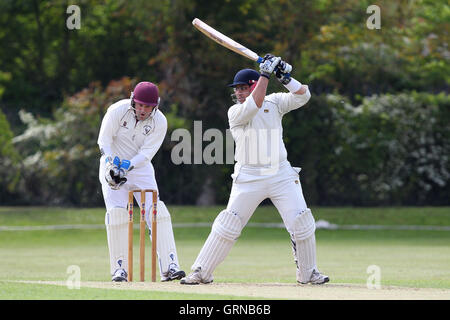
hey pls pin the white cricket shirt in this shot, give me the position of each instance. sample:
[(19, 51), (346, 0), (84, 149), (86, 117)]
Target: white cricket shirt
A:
[(127, 137), (258, 132)]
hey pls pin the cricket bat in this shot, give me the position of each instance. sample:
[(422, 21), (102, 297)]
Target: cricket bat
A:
[(225, 41)]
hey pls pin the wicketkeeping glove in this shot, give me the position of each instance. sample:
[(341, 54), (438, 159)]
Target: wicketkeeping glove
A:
[(124, 167), (112, 172)]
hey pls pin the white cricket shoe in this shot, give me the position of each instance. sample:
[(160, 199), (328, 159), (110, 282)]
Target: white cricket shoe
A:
[(196, 278), (119, 275), (317, 278)]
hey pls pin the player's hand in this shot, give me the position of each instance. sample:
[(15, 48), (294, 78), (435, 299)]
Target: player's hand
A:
[(284, 67), (268, 65), (124, 168), (112, 172), (283, 72), (111, 168)]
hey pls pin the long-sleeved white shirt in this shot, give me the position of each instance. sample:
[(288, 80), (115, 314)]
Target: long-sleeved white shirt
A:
[(123, 136), (258, 132)]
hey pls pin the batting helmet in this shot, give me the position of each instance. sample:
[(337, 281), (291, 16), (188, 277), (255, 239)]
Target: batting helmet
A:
[(146, 93), (245, 76)]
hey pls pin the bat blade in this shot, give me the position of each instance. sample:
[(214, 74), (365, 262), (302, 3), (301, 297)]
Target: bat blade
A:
[(225, 41)]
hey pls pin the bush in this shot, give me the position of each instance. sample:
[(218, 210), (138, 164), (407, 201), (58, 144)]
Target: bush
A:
[(9, 159), (61, 155), (389, 150)]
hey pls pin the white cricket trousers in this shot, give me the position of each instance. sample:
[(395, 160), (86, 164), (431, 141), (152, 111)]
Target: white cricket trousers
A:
[(250, 188), (283, 189)]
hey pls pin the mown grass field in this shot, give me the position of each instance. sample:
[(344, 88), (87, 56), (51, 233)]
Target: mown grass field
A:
[(416, 259)]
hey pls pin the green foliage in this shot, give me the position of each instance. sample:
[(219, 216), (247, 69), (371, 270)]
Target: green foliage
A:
[(389, 149), (9, 159)]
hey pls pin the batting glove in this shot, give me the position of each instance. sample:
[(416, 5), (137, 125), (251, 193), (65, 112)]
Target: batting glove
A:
[(283, 72), (268, 65)]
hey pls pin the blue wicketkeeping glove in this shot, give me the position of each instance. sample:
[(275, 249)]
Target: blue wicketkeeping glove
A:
[(124, 168)]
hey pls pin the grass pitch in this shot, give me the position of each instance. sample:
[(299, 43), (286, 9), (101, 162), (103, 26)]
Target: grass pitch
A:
[(412, 264)]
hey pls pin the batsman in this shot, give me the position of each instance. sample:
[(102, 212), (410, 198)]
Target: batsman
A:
[(131, 133), (262, 171)]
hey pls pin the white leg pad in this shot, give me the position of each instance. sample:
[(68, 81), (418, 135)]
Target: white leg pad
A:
[(226, 229), (165, 241), (304, 245), (116, 220)]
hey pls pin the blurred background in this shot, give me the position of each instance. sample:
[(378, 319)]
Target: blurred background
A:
[(375, 133)]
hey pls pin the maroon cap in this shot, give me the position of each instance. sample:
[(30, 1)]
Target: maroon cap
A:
[(146, 93)]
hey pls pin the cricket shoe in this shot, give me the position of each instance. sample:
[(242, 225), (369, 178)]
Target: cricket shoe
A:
[(317, 278), (196, 278), (173, 274), (120, 275)]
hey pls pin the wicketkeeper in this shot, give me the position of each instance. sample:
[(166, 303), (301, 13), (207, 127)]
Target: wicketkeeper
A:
[(262, 171), (131, 133)]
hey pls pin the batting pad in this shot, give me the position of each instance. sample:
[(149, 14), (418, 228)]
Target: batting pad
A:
[(226, 229), (304, 245), (165, 242), (116, 221)]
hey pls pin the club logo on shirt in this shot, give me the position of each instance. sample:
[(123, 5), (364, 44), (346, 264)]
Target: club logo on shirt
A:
[(124, 125), (147, 129), (266, 110)]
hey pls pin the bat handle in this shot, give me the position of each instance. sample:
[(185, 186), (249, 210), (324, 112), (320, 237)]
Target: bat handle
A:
[(260, 60)]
